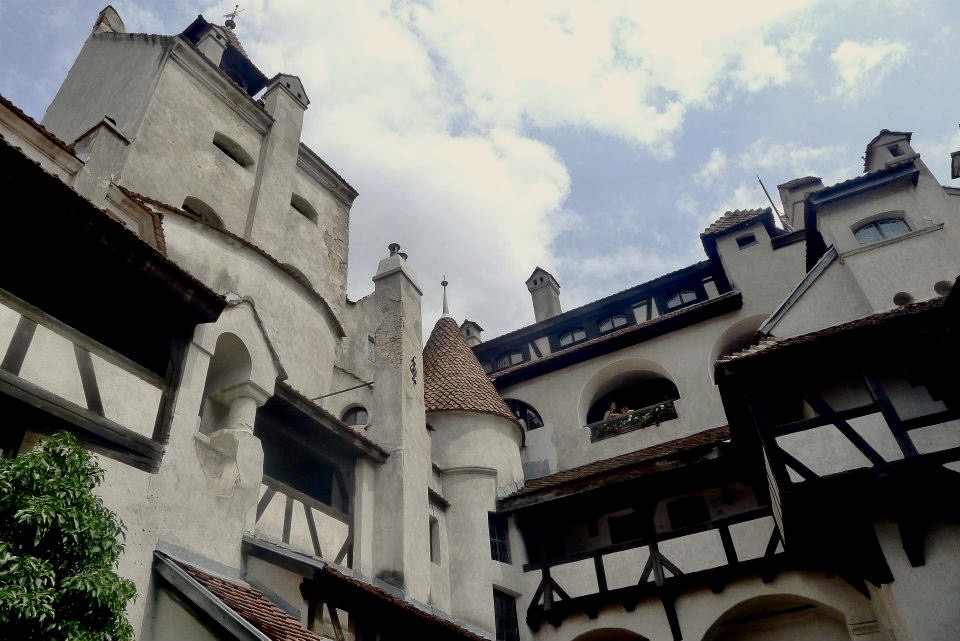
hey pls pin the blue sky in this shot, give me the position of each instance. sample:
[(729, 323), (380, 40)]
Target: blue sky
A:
[(596, 139)]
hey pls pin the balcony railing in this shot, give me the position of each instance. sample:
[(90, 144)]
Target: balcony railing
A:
[(635, 420)]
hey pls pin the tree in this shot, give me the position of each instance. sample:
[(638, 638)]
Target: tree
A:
[(59, 546)]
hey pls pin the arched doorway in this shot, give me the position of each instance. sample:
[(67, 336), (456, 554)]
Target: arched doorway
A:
[(610, 634), (776, 617)]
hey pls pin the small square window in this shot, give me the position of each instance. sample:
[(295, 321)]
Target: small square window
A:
[(746, 240)]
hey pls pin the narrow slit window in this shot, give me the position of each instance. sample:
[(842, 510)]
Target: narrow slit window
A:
[(499, 541)]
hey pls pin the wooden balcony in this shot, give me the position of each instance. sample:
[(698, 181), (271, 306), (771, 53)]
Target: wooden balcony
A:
[(662, 577), (652, 415)]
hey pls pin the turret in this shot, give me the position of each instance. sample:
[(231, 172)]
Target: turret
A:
[(476, 443)]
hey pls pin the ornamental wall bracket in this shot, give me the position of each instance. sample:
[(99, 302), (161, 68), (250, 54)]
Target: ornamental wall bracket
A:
[(413, 369)]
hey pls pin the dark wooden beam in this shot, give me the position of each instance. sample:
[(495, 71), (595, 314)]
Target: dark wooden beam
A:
[(822, 408)]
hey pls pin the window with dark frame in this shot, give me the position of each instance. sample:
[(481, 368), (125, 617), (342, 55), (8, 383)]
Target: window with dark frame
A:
[(877, 230), (526, 414), (356, 416), (612, 322), (747, 240), (513, 358), (499, 537), (573, 336), (505, 616), (681, 298), (371, 349)]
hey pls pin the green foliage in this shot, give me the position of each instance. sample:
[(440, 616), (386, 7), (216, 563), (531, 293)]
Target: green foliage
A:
[(58, 548)]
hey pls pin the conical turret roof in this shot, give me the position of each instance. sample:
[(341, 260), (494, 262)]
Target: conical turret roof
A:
[(452, 376)]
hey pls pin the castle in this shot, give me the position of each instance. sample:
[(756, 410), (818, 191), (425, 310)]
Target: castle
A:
[(762, 445)]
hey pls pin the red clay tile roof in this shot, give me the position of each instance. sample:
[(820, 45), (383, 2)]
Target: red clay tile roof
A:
[(796, 182), (611, 469), (253, 606), (36, 125), (453, 378), (776, 344), (734, 218)]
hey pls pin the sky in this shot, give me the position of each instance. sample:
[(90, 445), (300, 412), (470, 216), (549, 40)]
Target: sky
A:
[(595, 139)]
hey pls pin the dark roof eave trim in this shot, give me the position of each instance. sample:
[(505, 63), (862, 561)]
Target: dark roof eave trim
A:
[(863, 184), (536, 330), (189, 588), (706, 453), (659, 326), (331, 424)]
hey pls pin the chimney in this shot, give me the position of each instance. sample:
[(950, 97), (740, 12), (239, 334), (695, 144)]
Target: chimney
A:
[(213, 44), (792, 194), (471, 332), (545, 291), (108, 21)]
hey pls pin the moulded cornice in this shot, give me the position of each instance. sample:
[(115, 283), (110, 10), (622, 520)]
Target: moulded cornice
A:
[(320, 171)]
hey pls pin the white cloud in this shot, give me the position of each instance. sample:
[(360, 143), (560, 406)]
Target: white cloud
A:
[(788, 160), (861, 66), (428, 108), (714, 166)]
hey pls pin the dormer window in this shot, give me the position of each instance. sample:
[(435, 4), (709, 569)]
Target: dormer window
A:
[(618, 320), (882, 229), (571, 337), (507, 360), (300, 205), (232, 149), (681, 298)]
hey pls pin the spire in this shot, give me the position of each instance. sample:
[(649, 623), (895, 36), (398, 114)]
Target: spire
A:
[(446, 308), (453, 379)]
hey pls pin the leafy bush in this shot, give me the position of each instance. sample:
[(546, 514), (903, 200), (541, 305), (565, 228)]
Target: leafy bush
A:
[(58, 549)]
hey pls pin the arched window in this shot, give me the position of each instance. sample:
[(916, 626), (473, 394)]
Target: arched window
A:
[(513, 358), (300, 205), (883, 229), (617, 320), (681, 298), (527, 416), (203, 211), (232, 149), (230, 366), (356, 416), (635, 391), (571, 337)]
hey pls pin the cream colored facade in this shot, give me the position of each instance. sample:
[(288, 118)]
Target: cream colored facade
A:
[(299, 446)]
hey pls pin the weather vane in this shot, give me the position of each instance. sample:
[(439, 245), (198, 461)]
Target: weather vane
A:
[(231, 17)]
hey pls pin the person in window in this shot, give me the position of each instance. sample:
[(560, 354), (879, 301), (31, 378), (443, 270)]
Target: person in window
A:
[(624, 410), (611, 412)]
